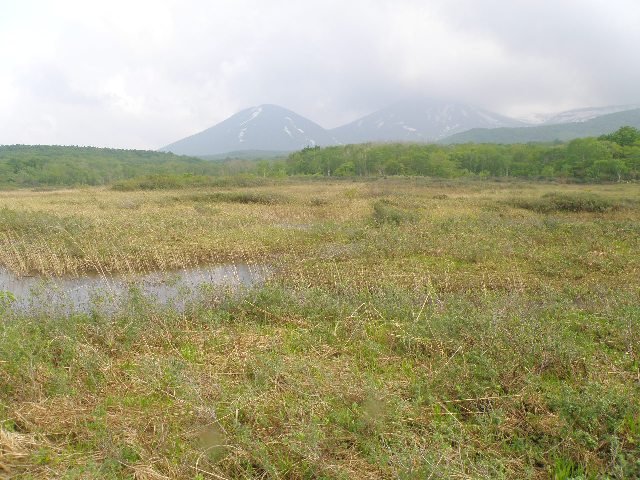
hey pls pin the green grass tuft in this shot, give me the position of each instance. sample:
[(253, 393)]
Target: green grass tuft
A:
[(384, 212), (568, 202)]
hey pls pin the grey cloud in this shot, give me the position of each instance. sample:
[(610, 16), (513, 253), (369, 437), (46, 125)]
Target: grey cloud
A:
[(48, 83), (156, 73), (588, 42)]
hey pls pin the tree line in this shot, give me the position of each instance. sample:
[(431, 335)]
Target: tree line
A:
[(613, 157), (55, 166)]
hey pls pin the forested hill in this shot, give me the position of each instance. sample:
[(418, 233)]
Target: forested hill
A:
[(612, 157), (607, 158), (549, 133), (33, 166)]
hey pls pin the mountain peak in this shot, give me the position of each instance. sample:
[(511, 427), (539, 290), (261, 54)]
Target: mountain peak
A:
[(420, 120), (264, 127)]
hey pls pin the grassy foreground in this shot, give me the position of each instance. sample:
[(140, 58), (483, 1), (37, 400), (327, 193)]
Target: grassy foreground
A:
[(413, 329)]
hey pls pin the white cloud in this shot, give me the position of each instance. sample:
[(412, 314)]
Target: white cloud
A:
[(142, 73)]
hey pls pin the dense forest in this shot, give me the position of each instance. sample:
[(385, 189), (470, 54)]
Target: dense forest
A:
[(56, 166), (609, 158)]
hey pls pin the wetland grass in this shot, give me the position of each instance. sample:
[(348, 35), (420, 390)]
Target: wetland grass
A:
[(470, 339)]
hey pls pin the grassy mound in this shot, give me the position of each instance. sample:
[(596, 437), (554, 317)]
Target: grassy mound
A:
[(568, 202)]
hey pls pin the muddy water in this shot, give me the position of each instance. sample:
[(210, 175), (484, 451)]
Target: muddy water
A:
[(82, 294)]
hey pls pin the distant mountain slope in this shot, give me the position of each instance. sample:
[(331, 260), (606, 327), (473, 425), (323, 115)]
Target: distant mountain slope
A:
[(247, 155), (585, 114), (270, 130), (419, 121), (266, 127), (549, 133)]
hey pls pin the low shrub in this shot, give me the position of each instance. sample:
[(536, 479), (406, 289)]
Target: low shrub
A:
[(567, 202), (385, 212), (174, 182), (263, 198)]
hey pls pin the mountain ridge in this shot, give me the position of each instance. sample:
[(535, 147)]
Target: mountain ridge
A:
[(549, 133), (271, 128), (424, 120), (584, 114)]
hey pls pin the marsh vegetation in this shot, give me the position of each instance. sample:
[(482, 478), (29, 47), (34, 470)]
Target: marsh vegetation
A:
[(411, 328)]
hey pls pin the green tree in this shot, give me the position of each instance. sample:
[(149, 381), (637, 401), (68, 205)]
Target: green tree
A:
[(347, 169), (582, 153), (624, 136), (393, 167), (610, 169)]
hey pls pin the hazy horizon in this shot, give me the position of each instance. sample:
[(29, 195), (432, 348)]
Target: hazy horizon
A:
[(143, 74)]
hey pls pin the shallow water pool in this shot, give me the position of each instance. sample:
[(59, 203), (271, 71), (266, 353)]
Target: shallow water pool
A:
[(82, 294)]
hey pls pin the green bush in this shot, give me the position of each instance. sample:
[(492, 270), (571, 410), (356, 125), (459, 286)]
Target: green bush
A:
[(262, 198), (567, 202), (175, 182), (385, 212)]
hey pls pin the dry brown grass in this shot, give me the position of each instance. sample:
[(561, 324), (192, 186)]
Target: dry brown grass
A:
[(16, 450), (477, 341), (99, 230)]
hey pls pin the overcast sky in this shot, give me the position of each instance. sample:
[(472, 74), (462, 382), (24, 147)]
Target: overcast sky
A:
[(144, 73)]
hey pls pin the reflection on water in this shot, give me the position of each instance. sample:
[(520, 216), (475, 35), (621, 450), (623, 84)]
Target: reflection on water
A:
[(81, 294)]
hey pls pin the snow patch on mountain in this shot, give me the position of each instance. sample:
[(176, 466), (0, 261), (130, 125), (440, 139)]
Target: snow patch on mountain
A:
[(419, 121), (582, 115), (489, 118), (265, 127), (254, 114)]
